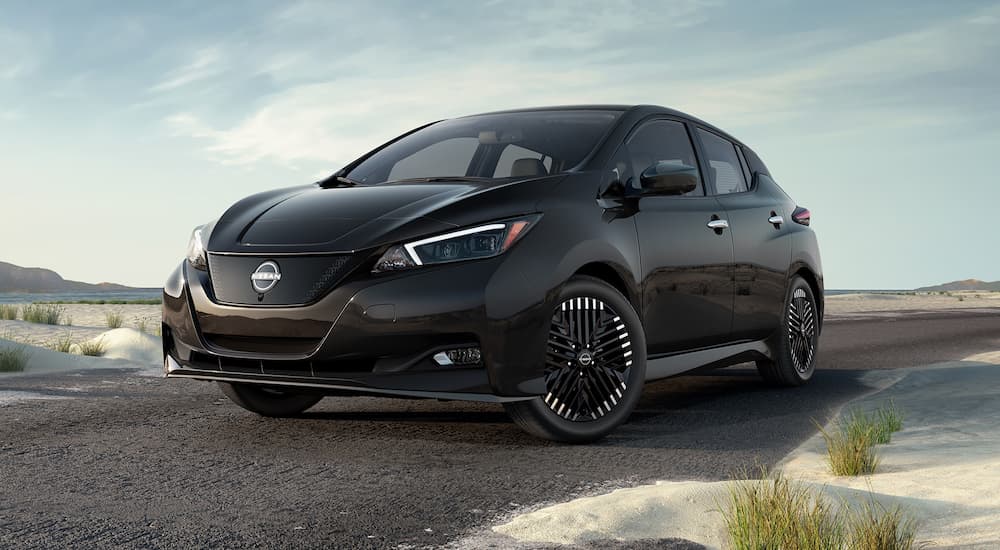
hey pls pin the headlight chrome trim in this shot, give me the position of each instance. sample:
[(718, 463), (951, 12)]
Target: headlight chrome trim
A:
[(404, 256), (411, 248)]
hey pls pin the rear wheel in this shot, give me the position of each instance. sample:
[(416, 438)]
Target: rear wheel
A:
[(268, 401), (795, 352), (595, 366)]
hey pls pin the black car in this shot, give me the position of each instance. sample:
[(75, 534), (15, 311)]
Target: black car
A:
[(552, 260)]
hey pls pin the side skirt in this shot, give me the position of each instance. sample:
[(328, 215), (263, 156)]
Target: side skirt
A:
[(708, 358)]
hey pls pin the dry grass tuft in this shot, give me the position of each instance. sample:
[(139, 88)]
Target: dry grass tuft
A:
[(13, 357), (114, 319), (775, 512), (8, 312), (63, 344), (93, 348), (45, 314), (873, 527)]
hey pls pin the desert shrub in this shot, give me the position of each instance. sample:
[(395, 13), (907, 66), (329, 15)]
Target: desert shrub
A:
[(13, 358), (63, 344), (775, 512), (93, 348), (8, 312), (873, 527), (114, 319), (40, 313), (850, 448)]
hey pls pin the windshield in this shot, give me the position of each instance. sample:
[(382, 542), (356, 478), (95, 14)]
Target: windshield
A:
[(523, 144)]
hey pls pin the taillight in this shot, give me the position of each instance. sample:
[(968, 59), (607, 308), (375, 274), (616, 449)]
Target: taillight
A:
[(801, 215)]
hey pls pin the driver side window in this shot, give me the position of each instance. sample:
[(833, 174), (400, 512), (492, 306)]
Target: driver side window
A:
[(657, 141)]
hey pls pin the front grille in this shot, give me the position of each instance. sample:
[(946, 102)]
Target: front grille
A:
[(301, 368), (262, 344), (304, 279)]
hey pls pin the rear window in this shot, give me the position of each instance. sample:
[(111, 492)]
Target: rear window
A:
[(519, 145), (727, 171)]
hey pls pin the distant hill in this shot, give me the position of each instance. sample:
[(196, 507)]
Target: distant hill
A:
[(15, 278), (968, 284)]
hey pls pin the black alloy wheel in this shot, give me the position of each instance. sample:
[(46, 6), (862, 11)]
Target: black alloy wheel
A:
[(595, 366), (588, 361), (797, 343)]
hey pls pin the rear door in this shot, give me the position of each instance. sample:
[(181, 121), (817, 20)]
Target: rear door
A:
[(761, 249), (687, 267)]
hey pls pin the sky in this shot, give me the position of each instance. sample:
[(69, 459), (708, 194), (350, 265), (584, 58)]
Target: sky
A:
[(123, 125)]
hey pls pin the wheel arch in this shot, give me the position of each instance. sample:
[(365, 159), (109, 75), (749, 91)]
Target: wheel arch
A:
[(613, 276), (816, 285)]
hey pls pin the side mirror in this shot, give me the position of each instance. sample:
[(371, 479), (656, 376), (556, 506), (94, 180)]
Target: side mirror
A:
[(667, 178)]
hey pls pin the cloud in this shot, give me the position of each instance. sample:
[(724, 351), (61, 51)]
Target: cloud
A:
[(206, 63), (19, 54), (335, 122), (331, 108)]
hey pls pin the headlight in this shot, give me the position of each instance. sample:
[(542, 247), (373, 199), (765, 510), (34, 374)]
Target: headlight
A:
[(196, 249), (484, 241)]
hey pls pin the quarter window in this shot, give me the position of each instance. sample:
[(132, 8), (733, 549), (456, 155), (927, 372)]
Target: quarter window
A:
[(727, 172), (657, 141)]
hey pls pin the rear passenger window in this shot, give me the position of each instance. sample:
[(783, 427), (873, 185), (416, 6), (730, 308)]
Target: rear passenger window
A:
[(727, 172)]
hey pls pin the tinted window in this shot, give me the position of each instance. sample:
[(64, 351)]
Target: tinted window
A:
[(474, 146), (512, 153), (724, 162), (747, 173), (445, 158), (657, 141)]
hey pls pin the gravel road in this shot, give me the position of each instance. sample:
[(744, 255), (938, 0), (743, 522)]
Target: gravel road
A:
[(121, 458)]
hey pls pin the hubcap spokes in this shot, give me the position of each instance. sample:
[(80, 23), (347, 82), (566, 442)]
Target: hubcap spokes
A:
[(587, 361), (801, 331)]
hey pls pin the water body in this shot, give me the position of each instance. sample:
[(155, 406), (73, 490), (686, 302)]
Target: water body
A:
[(137, 294)]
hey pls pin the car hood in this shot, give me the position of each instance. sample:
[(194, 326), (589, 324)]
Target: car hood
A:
[(313, 219)]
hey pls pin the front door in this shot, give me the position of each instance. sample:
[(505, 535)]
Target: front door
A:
[(687, 266)]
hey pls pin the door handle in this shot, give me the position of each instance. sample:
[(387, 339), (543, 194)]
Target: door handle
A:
[(776, 220), (718, 225)]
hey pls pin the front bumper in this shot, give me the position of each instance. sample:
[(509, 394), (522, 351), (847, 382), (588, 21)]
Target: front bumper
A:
[(369, 335)]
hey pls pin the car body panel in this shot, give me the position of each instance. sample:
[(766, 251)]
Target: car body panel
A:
[(687, 268)]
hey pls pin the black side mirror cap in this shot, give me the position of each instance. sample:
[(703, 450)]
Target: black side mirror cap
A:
[(668, 178)]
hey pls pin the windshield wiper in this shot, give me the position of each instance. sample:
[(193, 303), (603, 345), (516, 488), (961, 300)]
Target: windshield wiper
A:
[(442, 178), (338, 181)]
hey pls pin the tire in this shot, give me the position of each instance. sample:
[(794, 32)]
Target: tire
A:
[(266, 401), (595, 366), (798, 340)]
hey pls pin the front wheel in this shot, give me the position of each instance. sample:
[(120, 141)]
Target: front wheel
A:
[(267, 401), (798, 339), (595, 366)]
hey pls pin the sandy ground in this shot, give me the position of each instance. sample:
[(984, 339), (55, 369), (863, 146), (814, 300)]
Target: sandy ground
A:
[(80, 322), (859, 303), (124, 348), (943, 467)]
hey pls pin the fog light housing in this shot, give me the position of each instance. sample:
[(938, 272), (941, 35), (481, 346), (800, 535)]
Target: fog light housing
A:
[(458, 356)]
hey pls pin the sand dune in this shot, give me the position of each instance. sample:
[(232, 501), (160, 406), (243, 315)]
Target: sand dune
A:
[(943, 468)]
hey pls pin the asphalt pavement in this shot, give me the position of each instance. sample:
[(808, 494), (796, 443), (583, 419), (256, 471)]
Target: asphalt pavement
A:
[(119, 459)]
